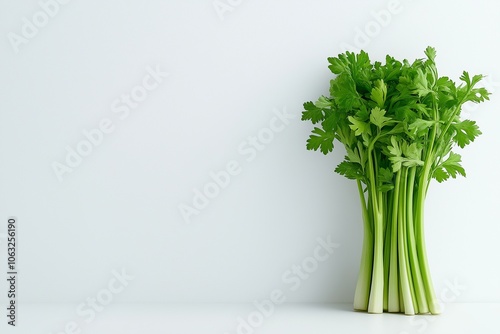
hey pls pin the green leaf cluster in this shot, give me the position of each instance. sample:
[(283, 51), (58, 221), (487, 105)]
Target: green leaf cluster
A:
[(392, 106)]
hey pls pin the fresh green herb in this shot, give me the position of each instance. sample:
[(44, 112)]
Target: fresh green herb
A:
[(399, 122)]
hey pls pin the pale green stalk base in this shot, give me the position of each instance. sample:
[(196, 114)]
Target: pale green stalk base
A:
[(394, 273)]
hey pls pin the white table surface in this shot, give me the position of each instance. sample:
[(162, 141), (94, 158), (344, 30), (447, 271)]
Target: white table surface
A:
[(222, 318)]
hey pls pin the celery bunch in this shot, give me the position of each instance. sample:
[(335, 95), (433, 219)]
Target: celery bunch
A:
[(399, 123)]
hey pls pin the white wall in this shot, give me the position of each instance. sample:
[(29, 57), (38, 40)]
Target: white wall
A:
[(119, 208)]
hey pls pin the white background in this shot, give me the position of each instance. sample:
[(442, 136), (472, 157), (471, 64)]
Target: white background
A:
[(227, 77)]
